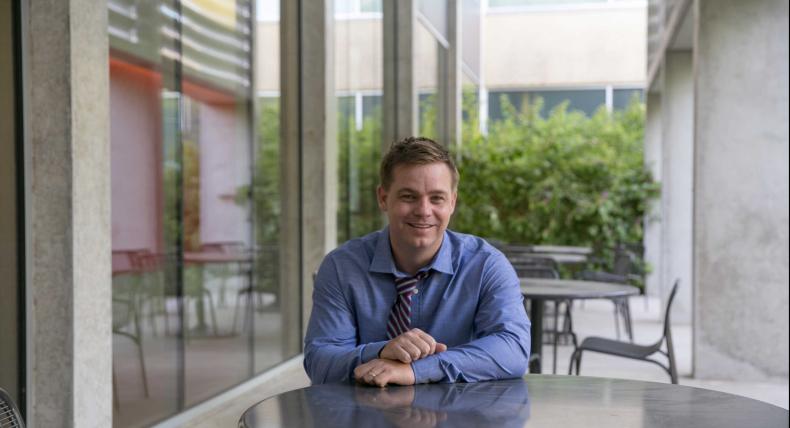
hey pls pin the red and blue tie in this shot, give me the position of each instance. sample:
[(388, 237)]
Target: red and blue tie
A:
[(400, 316)]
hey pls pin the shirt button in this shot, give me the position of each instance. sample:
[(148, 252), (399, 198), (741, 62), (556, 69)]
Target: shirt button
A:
[(416, 291)]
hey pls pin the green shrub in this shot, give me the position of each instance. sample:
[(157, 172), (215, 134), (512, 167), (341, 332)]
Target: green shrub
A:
[(564, 179)]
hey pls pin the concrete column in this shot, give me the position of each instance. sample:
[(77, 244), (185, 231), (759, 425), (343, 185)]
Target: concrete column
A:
[(290, 270), (454, 77), (399, 102), (309, 140), (677, 111), (653, 223), (741, 189), (67, 192)]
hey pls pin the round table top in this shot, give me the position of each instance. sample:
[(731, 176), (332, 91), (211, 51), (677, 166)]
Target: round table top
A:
[(558, 289), (535, 401)]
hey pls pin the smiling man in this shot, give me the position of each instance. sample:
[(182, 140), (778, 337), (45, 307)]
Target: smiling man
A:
[(415, 302)]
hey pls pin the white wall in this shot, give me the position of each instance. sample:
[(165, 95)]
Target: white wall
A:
[(566, 48)]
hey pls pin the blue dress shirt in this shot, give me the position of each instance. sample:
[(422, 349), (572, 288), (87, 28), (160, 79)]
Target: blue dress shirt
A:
[(471, 302)]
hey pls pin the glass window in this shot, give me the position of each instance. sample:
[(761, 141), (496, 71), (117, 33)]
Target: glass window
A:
[(358, 84), (584, 100), (622, 97), (195, 204), (429, 56), (516, 3)]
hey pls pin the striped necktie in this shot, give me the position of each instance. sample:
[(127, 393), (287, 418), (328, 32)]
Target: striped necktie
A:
[(400, 316)]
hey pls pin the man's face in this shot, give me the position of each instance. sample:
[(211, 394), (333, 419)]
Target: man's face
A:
[(418, 203)]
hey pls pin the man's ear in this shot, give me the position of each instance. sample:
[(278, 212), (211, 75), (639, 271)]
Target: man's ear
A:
[(381, 197), (453, 200)]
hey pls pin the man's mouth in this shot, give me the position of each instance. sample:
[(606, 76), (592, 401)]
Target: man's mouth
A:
[(420, 225)]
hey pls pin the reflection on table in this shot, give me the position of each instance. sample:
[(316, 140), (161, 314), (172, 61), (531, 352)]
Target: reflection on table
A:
[(535, 401), (502, 404)]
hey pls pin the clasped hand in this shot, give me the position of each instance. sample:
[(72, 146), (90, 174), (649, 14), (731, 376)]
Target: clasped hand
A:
[(394, 362)]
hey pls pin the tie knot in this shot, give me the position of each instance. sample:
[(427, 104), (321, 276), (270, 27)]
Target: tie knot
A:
[(407, 284)]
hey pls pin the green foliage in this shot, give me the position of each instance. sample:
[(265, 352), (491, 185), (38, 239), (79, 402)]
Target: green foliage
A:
[(566, 179), (359, 155)]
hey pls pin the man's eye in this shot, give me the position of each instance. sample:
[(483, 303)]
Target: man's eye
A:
[(407, 197), (437, 199)]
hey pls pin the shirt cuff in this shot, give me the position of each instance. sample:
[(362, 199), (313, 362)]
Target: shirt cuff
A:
[(371, 350), (427, 370)]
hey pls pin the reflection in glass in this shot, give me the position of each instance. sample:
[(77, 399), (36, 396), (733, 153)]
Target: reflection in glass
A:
[(195, 206), (358, 85), (429, 60)]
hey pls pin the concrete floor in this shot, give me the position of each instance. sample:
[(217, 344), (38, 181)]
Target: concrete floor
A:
[(594, 317)]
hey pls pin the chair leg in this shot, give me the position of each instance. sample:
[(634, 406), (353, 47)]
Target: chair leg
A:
[(139, 341), (575, 359), (236, 310), (629, 326), (142, 366), (556, 337), (115, 400), (213, 312), (616, 318), (578, 363)]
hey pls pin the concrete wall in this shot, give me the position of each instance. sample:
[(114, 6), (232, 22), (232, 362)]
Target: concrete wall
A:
[(741, 189), (566, 48), (677, 112)]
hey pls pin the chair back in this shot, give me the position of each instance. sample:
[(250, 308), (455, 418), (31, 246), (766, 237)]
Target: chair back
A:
[(668, 310), (591, 275), (536, 272), (9, 414)]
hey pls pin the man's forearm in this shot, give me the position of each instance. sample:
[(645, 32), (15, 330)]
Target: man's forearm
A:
[(325, 363), (497, 356)]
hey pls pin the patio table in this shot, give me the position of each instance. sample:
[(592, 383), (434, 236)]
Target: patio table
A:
[(535, 401), (539, 290)]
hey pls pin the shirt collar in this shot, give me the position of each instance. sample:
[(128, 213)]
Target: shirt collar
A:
[(383, 262)]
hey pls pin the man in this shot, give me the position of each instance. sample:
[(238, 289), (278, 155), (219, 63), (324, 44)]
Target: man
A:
[(415, 302)]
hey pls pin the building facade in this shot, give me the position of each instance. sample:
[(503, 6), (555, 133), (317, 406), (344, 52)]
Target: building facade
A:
[(716, 136)]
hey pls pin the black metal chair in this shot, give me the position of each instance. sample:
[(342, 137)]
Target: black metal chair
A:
[(631, 350), (9, 413), (554, 332), (621, 305), (126, 312)]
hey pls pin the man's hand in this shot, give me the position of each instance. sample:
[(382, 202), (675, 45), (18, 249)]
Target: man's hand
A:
[(411, 346), (381, 372)]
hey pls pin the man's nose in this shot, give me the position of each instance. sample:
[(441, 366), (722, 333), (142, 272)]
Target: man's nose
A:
[(423, 207)]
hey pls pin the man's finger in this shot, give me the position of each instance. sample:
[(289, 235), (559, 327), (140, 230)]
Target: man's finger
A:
[(412, 349), (402, 355), (441, 347), (428, 340)]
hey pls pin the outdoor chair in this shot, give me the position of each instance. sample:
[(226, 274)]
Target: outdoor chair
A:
[(125, 312), (631, 350), (259, 288), (552, 333), (9, 413), (621, 306)]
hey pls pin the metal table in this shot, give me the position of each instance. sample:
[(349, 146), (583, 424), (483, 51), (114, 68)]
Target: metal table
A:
[(535, 401), (539, 290)]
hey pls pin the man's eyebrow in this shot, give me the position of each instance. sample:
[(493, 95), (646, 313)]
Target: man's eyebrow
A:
[(431, 192)]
